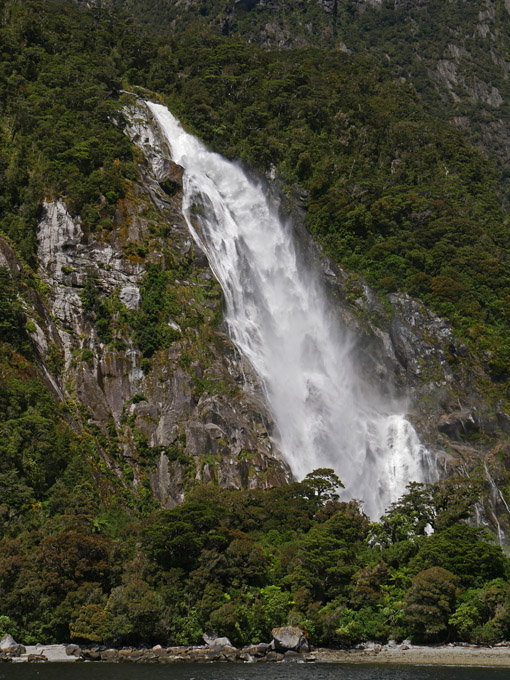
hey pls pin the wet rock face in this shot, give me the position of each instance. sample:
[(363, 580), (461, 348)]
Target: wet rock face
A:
[(448, 387), (412, 358)]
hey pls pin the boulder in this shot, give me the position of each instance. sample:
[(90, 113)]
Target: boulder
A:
[(109, 655), (130, 655), (257, 650), (9, 644), (229, 649), (291, 656), (214, 642), (290, 638), (73, 650), (203, 655), (37, 658), (90, 655), (158, 651), (211, 655)]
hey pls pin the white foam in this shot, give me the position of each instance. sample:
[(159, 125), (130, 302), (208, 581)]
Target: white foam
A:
[(280, 319)]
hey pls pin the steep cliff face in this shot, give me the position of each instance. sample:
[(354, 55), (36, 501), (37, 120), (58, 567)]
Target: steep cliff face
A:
[(127, 325), (406, 351), (128, 335), (119, 391)]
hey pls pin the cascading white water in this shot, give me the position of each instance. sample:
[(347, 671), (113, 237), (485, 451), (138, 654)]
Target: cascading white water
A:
[(279, 317)]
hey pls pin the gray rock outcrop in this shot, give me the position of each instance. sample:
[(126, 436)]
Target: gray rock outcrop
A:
[(192, 409), (9, 644), (290, 638), (214, 642)]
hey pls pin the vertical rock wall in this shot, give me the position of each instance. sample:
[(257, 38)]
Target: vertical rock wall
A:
[(189, 409)]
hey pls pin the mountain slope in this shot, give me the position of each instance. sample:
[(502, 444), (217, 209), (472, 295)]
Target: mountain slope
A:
[(119, 393), (456, 55), (389, 192)]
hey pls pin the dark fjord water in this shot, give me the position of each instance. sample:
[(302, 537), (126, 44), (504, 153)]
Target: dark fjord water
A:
[(91, 671)]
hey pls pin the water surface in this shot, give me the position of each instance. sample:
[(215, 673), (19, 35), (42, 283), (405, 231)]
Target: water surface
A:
[(98, 671)]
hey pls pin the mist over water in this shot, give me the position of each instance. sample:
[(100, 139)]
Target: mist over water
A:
[(279, 317)]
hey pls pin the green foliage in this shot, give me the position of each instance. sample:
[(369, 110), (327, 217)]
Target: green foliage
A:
[(93, 624), (326, 558), (87, 355), (136, 611), (429, 603), (462, 550), (357, 626), (408, 40), (424, 507), (98, 308), (483, 615), (392, 193), (8, 627), (159, 302), (13, 326), (218, 563), (177, 537), (322, 486), (57, 137), (36, 446)]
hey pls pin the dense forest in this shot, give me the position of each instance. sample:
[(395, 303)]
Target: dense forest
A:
[(391, 191), (242, 562)]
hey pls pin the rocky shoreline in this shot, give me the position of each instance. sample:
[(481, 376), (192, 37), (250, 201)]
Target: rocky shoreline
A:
[(289, 643), (220, 650)]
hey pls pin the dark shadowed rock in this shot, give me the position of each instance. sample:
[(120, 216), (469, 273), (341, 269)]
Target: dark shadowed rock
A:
[(459, 424)]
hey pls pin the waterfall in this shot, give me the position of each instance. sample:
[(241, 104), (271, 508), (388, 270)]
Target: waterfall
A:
[(279, 317)]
